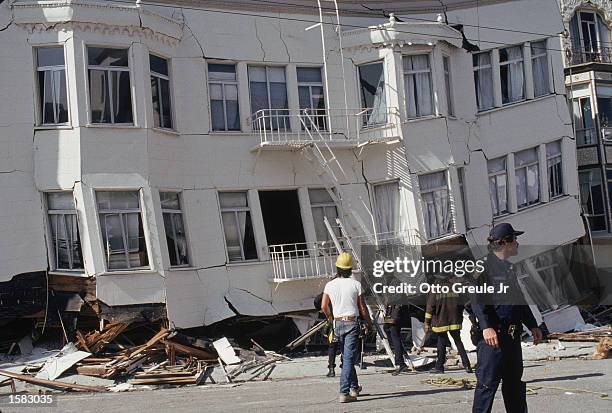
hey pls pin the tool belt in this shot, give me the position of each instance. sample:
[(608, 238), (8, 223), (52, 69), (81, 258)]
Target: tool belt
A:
[(346, 318), (512, 330)]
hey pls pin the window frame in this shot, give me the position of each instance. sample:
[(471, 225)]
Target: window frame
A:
[(410, 73), (324, 205), (367, 113), (446, 187), (127, 69), (545, 57), (448, 85), (495, 176), (279, 113), (39, 109), (223, 84), (310, 85), (526, 167), (120, 212), (594, 42), (558, 160), (180, 212), (478, 69), (51, 245), (508, 64), (591, 214), (236, 210), (168, 78)]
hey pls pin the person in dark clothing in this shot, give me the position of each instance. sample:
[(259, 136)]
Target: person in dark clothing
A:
[(443, 316), (500, 317), (397, 317), (334, 344)]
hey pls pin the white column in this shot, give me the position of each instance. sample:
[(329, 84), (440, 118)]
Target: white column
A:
[(141, 86), (456, 205), (76, 70), (306, 212), (244, 101), (543, 172), (512, 201), (497, 94), (394, 80), (293, 98), (92, 247), (437, 82), (529, 93), (258, 225)]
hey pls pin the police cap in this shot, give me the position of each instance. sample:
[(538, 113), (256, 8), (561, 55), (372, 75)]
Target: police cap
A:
[(503, 230)]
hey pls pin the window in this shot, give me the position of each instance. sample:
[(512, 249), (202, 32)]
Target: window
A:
[(237, 226), (160, 91), (448, 85), (555, 169), (592, 198), (110, 92), (590, 37), (539, 64), (312, 101), (435, 201), (483, 80), (586, 132), (498, 185), (175, 228), (511, 74), (417, 84), (223, 86), (387, 211), (65, 240), (122, 230), (51, 77), (269, 92), (527, 177), (604, 109), (461, 175), (323, 205), (372, 90), (282, 218)]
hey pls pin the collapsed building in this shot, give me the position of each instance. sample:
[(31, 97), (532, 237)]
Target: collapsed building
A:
[(177, 160)]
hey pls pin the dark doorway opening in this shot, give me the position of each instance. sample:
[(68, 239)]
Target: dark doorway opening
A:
[(282, 217)]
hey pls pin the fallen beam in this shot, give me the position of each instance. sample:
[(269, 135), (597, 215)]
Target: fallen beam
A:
[(51, 383)]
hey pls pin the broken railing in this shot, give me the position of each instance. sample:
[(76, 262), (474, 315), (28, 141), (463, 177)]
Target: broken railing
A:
[(278, 126)]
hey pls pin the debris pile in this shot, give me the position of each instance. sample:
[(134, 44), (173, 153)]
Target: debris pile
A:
[(168, 358), (593, 334)]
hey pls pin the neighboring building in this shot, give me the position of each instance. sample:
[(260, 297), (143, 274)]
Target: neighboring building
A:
[(184, 158)]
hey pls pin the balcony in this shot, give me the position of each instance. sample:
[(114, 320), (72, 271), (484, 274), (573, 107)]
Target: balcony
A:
[(582, 55), (287, 129), (310, 260)]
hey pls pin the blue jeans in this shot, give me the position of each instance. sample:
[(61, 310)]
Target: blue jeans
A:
[(348, 336)]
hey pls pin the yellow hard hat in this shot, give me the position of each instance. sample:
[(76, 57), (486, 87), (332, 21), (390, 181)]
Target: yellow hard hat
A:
[(344, 261)]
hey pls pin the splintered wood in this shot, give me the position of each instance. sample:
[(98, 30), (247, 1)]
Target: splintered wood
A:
[(96, 341), (595, 335)]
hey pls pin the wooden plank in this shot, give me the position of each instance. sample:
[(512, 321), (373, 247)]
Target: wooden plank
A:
[(97, 370), (190, 351), (51, 383)]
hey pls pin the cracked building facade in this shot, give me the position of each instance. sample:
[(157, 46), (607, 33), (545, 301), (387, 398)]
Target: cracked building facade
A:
[(182, 158)]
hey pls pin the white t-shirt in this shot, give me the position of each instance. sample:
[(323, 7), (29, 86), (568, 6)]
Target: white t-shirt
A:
[(344, 293)]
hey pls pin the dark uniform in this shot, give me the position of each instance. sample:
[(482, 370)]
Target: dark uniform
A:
[(398, 316), (506, 313)]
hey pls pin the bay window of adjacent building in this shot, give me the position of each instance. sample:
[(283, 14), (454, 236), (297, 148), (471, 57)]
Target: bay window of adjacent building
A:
[(372, 92), (511, 74), (120, 214), (323, 206), (160, 91), (176, 237), (237, 226), (436, 204), (51, 83), (539, 65), (498, 185), (223, 89), (526, 170), (483, 80), (590, 38), (311, 97), (592, 198), (110, 92), (584, 122), (268, 88), (555, 169), (418, 86), (604, 105), (63, 225), (448, 86)]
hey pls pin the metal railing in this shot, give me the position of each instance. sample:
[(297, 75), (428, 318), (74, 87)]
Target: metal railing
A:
[(318, 259), (279, 126), (582, 55)]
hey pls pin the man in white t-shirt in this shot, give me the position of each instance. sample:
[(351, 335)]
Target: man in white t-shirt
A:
[(346, 297)]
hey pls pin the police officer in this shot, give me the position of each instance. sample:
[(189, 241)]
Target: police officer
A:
[(500, 317)]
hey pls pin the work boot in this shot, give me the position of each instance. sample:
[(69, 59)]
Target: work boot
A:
[(469, 370), (331, 372), (399, 369), (347, 398), (355, 392), (437, 371)]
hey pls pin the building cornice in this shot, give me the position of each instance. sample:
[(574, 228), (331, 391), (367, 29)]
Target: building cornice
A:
[(569, 7), (97, 17)]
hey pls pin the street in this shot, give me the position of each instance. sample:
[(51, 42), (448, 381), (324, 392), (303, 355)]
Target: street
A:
[(558, 385)]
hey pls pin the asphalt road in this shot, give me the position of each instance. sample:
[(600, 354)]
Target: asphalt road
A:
[(560, 388)]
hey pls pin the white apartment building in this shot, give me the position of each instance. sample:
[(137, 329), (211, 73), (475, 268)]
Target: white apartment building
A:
[(184, 154)]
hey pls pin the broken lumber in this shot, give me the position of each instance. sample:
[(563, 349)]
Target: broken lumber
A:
[(190, 351), (51, 383), (305, 336)]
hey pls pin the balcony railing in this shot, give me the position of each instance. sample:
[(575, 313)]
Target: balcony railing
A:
[(318, 259), (287, 126), (582, 55)]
